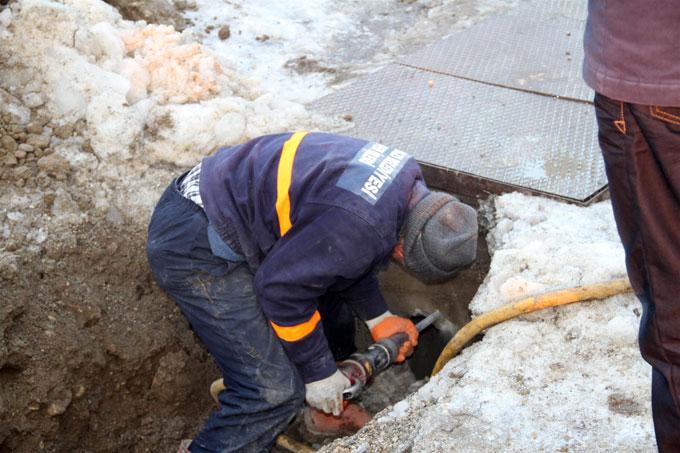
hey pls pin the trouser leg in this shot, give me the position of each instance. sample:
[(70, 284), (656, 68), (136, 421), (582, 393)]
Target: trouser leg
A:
[(666, 417), (641, 149), (264, 390)]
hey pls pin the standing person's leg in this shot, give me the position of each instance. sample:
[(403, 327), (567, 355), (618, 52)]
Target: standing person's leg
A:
[(264, 390), (641, 149)]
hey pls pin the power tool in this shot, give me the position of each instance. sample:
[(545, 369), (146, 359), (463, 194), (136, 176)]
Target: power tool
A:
[(360, 367)]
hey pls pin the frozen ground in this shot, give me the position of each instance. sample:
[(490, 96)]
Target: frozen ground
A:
[(99, 113)]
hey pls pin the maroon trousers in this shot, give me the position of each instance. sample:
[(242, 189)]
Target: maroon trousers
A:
[(641, 149)]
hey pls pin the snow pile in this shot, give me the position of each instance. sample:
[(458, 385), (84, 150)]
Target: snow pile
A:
[(565, 379), (536, 250), (144, 91), (173, 71)]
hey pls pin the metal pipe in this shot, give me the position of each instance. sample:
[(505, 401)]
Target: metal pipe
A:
[(425, 322)]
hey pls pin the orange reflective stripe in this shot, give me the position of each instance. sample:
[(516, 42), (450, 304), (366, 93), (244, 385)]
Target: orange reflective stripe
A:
[(283, 180), (297, 332)]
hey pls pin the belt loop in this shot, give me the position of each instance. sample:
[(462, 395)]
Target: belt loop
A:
[(621, 122)]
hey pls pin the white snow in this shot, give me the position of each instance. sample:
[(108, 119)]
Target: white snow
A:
[(12, 106), (530, 258)]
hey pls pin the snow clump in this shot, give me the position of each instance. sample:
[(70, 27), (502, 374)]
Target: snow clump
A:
[(173, 71)]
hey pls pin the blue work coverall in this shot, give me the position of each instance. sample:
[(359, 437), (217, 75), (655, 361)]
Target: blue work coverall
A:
[(271, 269)]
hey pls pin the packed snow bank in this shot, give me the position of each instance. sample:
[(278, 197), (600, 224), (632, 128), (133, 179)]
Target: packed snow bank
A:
[(565, 379), (81, 61)]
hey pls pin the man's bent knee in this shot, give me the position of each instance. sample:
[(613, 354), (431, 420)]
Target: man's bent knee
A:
[(286, 392)]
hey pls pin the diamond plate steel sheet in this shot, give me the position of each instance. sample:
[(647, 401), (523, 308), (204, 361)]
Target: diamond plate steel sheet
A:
[(520, 139), (537, 47)]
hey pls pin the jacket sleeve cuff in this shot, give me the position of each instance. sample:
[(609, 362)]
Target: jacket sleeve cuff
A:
[(317, 370)]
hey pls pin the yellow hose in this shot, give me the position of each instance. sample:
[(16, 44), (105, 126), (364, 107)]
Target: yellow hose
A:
[(294, 446), (528, 305)]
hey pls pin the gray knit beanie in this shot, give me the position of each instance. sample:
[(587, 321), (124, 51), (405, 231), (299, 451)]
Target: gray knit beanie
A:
[(440, 237)]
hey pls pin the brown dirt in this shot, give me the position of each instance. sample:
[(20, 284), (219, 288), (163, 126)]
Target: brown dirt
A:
[(152, 11), (304, 65), (94, 357)]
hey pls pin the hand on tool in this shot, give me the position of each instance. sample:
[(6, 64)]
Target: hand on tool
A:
[(391, 325), (326, 394)]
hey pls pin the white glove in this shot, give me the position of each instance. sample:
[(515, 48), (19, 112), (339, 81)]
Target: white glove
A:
[(326, 394)]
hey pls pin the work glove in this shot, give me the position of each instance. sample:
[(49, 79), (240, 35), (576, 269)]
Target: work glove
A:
[(326, 394), (387, 324)]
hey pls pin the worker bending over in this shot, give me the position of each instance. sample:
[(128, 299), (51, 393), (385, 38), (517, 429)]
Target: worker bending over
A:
[(271, 247)]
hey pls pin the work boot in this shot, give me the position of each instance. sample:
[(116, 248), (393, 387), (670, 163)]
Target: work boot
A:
[(323, 425)]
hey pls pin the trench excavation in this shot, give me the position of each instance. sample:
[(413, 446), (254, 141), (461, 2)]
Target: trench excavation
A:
[(408, 297)]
